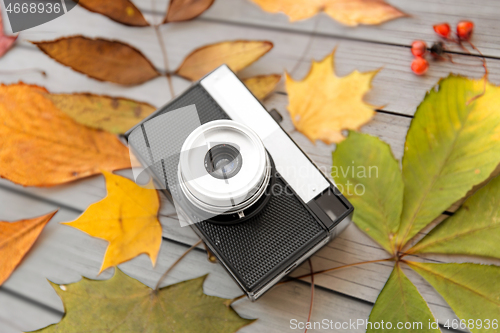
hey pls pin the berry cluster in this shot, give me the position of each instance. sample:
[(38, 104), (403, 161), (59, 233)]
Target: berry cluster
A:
[(420, 65)]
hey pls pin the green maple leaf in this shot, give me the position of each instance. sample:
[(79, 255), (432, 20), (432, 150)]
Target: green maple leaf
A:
[(401, 303), (453, 144), (123, 304)]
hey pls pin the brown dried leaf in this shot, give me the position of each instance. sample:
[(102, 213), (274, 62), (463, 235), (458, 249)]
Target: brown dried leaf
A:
[(236, 54), (101, 59), (184, 10), (262, 85), (121, 11), (113, 114), (41, 146)]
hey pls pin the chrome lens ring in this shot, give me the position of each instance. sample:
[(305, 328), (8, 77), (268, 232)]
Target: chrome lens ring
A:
[(227, 210), (249, 172)]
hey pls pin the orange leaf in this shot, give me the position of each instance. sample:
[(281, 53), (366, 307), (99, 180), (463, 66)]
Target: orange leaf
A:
[(101, 59), (184, 10), (126, 218), (236, 54), (42, 146), (121, 11), (348, 12), (262, 85), (16, 238), (322, 105)]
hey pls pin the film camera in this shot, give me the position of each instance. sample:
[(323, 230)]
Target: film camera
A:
[(243, 185)]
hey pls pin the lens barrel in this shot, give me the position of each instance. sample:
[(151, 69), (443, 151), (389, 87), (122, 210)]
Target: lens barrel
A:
[(223, 168)]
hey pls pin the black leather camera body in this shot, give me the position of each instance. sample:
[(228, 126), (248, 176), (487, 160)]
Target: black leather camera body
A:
[(236, 177)]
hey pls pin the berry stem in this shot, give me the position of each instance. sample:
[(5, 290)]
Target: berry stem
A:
[(483, 59)]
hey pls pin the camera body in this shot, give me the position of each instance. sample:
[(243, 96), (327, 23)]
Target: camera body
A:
[(236, 177)]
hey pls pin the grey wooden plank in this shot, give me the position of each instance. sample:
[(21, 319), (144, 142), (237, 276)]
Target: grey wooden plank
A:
[(422, 16), (80, 194), (397, 85), (395, 88), (62, 254), (389, 128), (17, 313), (351, 247)]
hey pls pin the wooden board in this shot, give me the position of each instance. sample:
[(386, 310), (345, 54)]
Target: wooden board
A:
[(422, 16), (395, 89), (63, 254)]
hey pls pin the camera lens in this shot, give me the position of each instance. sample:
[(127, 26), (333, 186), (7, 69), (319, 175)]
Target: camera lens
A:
[(211, 172), (223, 161)]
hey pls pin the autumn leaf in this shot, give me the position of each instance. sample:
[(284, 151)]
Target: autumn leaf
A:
[(471, 290), (463, 150), (113, 114), (235, 54), (127, 218), (323, 105), (457, 235), (452, 146), (6, 42), (184, 10), (121, 11), (377, 212), (123, 304), (101, 59), (41, 146), (262, 85), (16, 238), (348, 12), (400, 302)]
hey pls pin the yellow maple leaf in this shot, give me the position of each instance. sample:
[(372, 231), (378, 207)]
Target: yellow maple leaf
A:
[(127, 218), (323, 104), (348, 12)]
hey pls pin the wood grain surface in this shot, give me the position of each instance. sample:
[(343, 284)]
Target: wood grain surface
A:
[(63, 254)]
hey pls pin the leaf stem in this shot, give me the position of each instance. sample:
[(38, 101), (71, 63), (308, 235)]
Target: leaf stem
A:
[(482, 58), (230, 302), (165, 59), (26, 70), (174, 264), (337, 268), (312, 292), (163, 49), (308, 45)]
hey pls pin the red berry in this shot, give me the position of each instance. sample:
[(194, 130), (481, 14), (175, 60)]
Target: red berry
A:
[(442, 29), (419, 66), (464, 29), (418, 48)]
